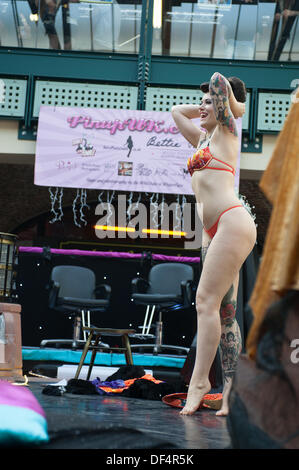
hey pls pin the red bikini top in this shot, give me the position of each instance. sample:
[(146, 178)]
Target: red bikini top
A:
[(202, 158)]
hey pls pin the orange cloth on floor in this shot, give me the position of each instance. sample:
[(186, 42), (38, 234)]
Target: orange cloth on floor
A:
[(279, 268), (129, 382)]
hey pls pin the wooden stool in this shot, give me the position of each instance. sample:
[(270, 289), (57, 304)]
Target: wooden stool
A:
[(98, 332), (11, 364)]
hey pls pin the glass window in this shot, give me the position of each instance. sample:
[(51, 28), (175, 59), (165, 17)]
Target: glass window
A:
[(290, 47), (8, 29), (229, 29), (78, 25), (264, 29), (294, 49), (105, 27), (222, 29)]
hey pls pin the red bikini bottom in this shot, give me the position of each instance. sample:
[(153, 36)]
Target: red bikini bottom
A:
[(211, 231)]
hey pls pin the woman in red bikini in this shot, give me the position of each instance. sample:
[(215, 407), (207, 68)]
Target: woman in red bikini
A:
[(229, 231)]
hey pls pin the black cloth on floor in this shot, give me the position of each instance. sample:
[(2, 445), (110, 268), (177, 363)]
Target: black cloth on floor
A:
[(126, 373), (81, 387), (148, 390), (54, 390)]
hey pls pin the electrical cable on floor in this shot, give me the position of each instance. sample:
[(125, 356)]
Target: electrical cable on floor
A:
[(23, 383)]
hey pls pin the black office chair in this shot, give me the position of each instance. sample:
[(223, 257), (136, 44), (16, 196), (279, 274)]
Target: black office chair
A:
[(73, 291), (169, 287)]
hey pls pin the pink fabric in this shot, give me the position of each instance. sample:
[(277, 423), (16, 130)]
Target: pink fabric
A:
[(14, 395), (109, 254)]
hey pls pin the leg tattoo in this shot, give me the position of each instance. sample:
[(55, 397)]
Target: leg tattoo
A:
[(231, 341), (204, 250)]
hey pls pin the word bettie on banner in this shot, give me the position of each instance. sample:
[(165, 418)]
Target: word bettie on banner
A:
[(112, 149)]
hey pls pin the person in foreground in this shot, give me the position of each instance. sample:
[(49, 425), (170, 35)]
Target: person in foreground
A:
[(229, 232)]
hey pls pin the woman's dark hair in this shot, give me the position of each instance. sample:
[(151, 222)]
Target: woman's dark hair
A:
[(238, 87)]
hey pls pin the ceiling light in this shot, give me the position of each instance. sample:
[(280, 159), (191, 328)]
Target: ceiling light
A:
[(157, 14), (33, 17)]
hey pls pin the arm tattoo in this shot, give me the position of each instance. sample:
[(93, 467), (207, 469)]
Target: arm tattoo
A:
[(220, 94)]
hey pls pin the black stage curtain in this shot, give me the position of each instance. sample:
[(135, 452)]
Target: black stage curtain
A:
[(40, 322)]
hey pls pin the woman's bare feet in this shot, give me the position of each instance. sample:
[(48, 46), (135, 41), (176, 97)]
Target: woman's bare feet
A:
[(194, 397), (224, 410)]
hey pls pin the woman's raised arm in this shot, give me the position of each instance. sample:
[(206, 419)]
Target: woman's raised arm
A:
[(222, 97), (182, 115)]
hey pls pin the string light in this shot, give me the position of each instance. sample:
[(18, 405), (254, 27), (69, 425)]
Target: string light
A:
[(75, 209), (164, 232), (114, 229), (144, 230)]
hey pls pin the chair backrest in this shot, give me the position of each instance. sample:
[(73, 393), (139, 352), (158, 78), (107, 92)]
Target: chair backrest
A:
[(74, 281), (166, 278)]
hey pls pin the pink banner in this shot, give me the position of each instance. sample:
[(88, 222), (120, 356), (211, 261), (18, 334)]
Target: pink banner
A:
[(111, 149)]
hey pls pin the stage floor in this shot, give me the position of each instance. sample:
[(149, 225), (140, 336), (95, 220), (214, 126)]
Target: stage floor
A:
[(115, 422)]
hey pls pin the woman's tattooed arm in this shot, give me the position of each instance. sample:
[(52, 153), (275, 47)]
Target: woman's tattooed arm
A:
[(220, 91)]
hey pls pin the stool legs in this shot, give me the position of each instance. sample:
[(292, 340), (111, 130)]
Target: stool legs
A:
[(97, 332), (128, 352), (93, 356), (84, 353)]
